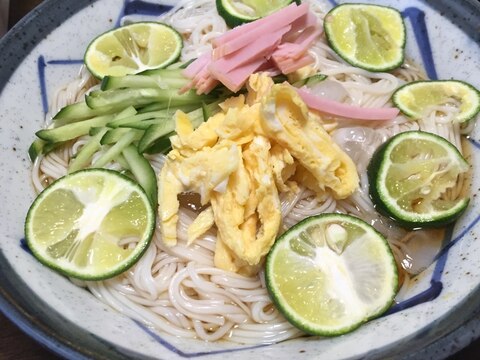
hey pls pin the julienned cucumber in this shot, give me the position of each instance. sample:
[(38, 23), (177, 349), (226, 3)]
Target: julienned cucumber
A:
[(143, 81), (160, 114), (84, 156), (114, 151), (156, 131), (143, 172), (79, 111), (311, 80), (74, 130), (160, 146), (114, 135), (129, 116), (121, 98)]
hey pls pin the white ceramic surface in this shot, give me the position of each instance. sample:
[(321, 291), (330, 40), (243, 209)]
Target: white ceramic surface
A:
[(400, 334)]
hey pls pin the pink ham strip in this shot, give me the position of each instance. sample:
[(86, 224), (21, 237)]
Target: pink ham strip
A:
[(298, 48), (207, 85), (270, 68), (240, 30), (306, 21), (290, 57), (200, 77), (196, 66), (235, 79), (344, 110), (261, 47), (289, 65), (263, 26)]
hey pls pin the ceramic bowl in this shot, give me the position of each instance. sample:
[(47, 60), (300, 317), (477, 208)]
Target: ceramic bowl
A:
[(45, 49)]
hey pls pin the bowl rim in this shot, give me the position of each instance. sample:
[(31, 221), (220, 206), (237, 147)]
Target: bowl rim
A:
[(20, 313)]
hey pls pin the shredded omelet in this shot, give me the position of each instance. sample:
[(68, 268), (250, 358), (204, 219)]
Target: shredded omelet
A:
[(240, 160)]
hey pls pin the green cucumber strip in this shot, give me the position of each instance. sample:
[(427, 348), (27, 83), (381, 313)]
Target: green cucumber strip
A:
[(143, 172), (170, 72), (153, 133), (114, 135), (156, 131), (279, 78), (36, 149), (113, 152), (186, 63), (311, 80), (178, 65), (41, 147), (84, 156), (143, 81), (123, 163), (156, 106), (139, 97), (78, 111), (140, 117), (73, 130), (142, 125), (208, 110), (161, 145), (95, 130), (129, 111)]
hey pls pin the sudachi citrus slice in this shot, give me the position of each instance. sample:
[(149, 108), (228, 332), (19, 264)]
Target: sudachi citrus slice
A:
[(132, 49), (92, 224), (409, 177), (330, 273)]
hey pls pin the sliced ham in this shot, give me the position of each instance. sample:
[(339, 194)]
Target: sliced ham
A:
[(270, 68), (306, 21), (261, 44), (289, 65), (235, 79), (261, 47), (243, 35), (275, 17), (291, 56), (344, 110), (196, 66), (207, 85)]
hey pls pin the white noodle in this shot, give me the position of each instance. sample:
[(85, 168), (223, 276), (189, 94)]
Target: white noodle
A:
[(177, 289)]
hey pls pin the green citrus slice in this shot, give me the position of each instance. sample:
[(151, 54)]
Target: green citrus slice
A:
[(92, 224), (237, 12), (133, 48), (417, 99), (330, 273), (371, 37), (409, 176)]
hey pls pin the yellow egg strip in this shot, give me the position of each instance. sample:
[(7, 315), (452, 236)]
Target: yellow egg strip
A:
[(240, 160)]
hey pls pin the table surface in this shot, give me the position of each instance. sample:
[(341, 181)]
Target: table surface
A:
[(14, 344)]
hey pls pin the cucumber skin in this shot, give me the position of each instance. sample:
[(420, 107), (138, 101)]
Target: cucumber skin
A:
[(142, 81), (157, 131), (79, 111), (162, 145), (36, 149), (143, 172), (72, 131), (372, 170), (85, 154), (115, 150), (311, 80)]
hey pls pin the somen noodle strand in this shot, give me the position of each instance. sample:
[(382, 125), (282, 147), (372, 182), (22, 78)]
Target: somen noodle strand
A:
[(177, 289)]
